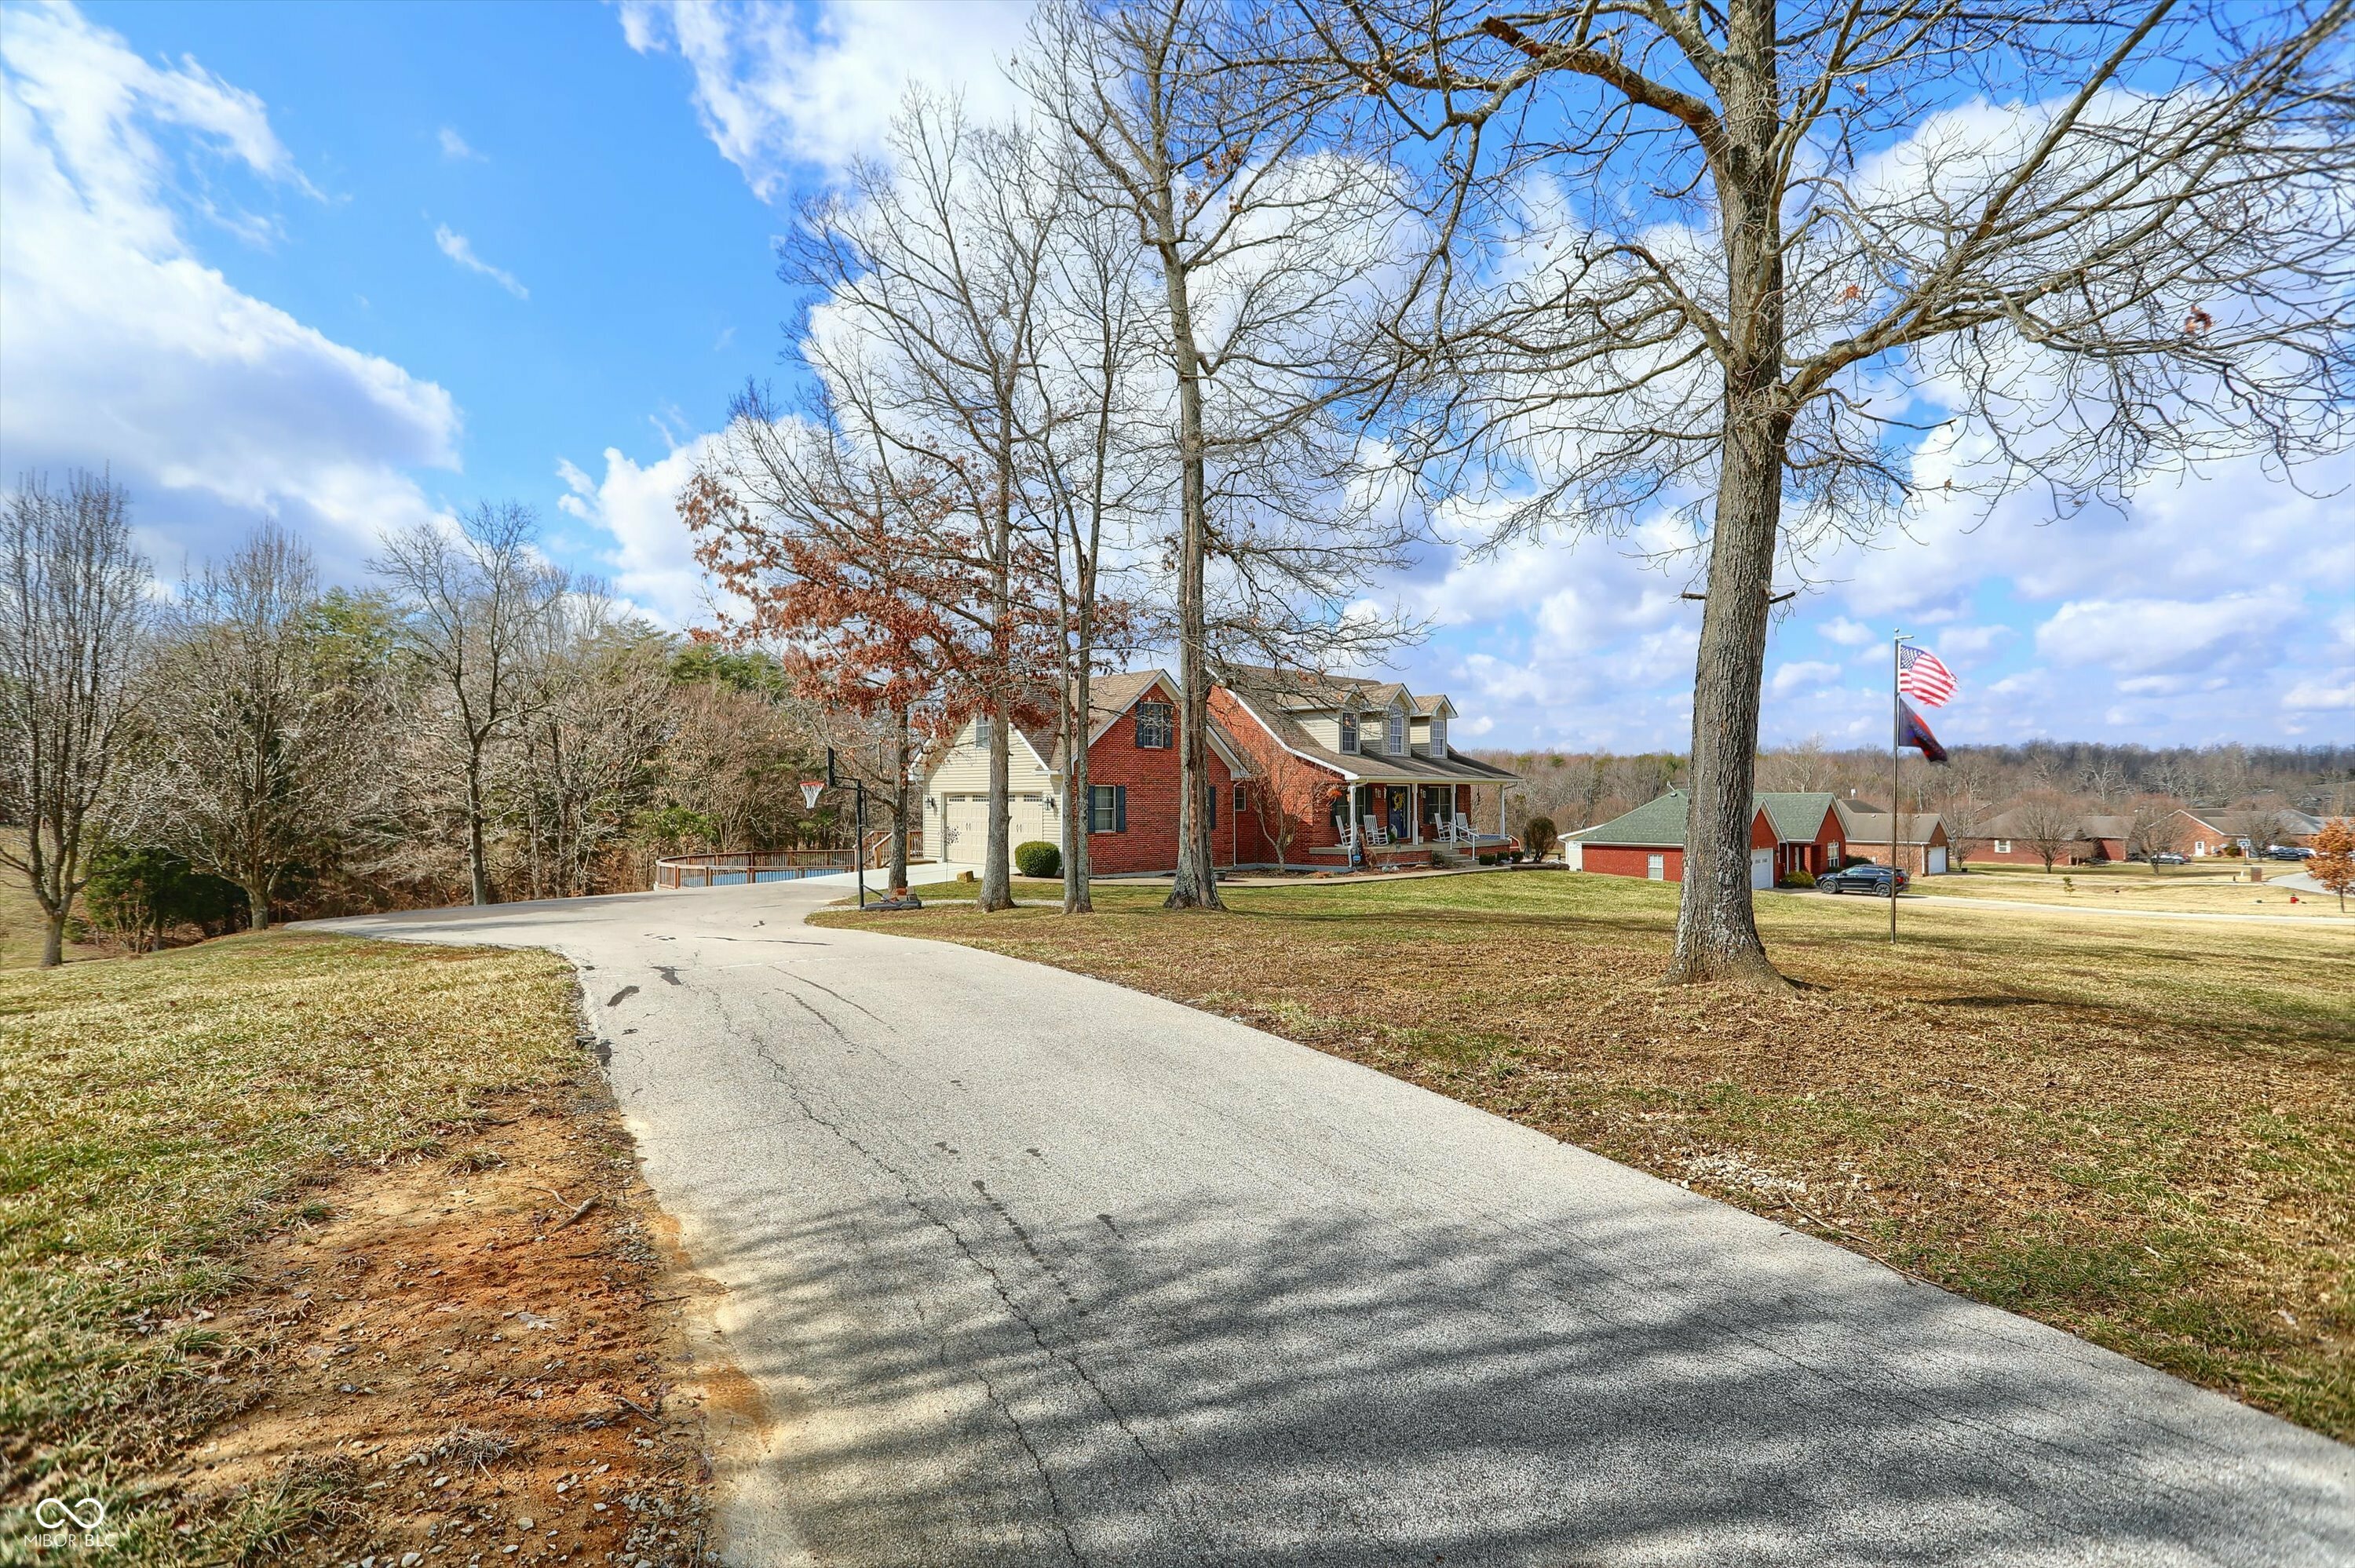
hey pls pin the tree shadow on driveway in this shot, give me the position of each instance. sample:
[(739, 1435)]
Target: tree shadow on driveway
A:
[(972, 1385)]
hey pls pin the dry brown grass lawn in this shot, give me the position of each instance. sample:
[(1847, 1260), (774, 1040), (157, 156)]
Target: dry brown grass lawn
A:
[(2142, 1131), (2207, 887), (271, 1211)]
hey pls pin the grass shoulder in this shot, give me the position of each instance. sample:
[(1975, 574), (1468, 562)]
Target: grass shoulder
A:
[(253, 1200), (2140, 1131)]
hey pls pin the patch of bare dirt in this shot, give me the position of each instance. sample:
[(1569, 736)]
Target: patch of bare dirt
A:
[(484, 1354)]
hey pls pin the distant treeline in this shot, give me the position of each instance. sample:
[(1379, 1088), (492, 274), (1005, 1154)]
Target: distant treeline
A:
[(1577, 789)]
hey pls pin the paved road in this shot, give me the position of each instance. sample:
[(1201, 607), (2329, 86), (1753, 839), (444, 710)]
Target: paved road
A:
[(1031, 1269)]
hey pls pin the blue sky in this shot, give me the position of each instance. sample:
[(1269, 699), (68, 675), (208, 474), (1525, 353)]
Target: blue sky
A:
[(355, 265)]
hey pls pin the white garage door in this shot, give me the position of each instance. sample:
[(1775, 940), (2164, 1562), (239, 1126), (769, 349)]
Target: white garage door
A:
[(968, 825), (967, 837), (1938, 860), (1762, 868)]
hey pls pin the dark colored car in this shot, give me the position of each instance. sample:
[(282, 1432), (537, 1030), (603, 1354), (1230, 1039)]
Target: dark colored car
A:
[(1873, 879), (2288, 851), (2168, 859)]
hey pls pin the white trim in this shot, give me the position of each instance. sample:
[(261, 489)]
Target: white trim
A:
[(1281, 746)]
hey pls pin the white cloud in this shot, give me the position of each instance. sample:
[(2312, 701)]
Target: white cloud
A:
[(783, 86), (454, 147), (651, 555), (1802, 674), (122, 349), (2315, 696), (456, 247), (1847, 633), (2140, 636)]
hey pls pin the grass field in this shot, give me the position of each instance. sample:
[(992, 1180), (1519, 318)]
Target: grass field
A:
[(159, 1117), (2142, 1131), (2219, 887)]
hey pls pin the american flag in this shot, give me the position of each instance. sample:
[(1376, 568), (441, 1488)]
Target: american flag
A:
[(1922, 677)]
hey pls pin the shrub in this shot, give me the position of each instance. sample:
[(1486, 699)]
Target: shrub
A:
[(1799, 876), (1038, 858), (1538, 836)]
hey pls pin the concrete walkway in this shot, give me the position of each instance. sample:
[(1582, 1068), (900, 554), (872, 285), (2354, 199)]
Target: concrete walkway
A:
[(1031, 1269)]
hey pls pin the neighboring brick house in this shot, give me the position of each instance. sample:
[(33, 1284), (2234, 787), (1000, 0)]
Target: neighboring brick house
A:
[(1345, 768), (2201, 837), (1789, 830), (2094, 840), (1131, 818), (1920, 841)]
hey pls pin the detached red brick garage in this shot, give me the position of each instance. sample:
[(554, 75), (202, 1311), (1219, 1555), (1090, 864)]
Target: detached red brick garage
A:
[(1787, 833)]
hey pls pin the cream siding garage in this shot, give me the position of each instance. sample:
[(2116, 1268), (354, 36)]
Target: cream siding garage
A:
[(1762, 868), (956, 797)]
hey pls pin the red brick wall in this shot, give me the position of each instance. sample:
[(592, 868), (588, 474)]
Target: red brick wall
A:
[(1622, 860), (1151, 777)]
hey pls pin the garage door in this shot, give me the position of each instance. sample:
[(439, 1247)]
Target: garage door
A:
[(1938, 860), (968, 825), (967, 838), (1762, 868)]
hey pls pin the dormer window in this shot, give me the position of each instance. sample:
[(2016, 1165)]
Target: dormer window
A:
[(1439, 736), (1395, 739), (1349, 733)]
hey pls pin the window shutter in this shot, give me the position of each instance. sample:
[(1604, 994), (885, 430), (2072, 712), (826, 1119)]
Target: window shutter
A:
[(1120, 807), (1212, 790)]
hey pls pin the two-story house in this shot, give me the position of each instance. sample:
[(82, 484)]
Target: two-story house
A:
[(1305, 771)]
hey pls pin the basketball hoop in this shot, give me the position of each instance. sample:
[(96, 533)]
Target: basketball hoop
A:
[(810, 789)]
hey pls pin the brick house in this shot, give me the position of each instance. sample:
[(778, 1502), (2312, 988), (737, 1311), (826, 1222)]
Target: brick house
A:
[(1282, 790), (1789, 830), (2201, 837), (1916, 842), (2094, 840), (1348, 769)]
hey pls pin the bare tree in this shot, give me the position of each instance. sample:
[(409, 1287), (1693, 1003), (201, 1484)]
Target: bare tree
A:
[(72, 617), (1268, 249), (2049, 823), (931, 271), (266, 745), (2256, 821), (1735, 256), (471, 606), (1094, 453), (2155, 826), (587, 737)]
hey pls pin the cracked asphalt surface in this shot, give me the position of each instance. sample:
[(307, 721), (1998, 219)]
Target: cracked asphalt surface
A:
[(1031, 1269)]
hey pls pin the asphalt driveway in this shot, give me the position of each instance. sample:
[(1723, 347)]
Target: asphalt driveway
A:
[(1031, 1269)]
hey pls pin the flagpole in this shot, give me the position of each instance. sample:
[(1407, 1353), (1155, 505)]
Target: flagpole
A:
[(1896, 733)]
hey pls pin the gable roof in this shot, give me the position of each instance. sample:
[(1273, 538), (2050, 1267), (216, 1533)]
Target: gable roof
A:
[(1872, 827), (1794, 815), (1452, 766)]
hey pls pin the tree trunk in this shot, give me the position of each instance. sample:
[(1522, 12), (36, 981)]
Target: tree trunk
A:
[(1717, 932), (256, 903), (1196, 884), (898, 801), (53, 939), (477, 857), (996, 875), (1077, 897)]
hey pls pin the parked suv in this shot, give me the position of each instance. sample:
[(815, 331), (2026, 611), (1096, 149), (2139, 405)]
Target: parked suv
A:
[(1862, 879)]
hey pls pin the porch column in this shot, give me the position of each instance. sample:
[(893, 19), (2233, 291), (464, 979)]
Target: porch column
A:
[(1414, 817)]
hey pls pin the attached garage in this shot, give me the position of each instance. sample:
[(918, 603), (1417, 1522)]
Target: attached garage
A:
[(1762, 868), (966, 819)]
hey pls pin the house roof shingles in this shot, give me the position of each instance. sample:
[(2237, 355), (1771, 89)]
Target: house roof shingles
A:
[(1268, 694), (1794, 815)]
